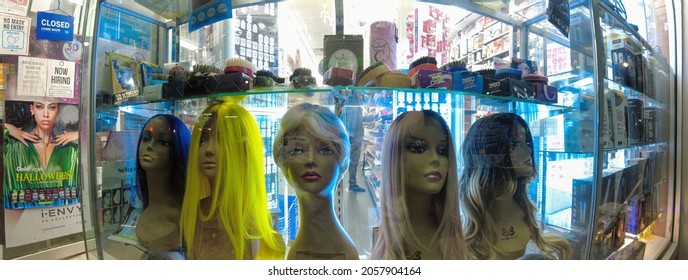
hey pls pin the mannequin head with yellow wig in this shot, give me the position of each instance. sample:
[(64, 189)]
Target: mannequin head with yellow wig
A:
[(236, 189)]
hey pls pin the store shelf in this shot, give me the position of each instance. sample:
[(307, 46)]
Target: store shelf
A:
[(495, 37), (648, 101), (499, 53)]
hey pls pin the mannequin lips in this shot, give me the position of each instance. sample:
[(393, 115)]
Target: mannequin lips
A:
[(146, 158), (529, 162), (208, 165), (433, 176), (310, 176)]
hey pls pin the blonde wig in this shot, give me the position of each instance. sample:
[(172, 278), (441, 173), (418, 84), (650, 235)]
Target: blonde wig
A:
[(318, 121), (239, 199), (488, 174), (396, 233)]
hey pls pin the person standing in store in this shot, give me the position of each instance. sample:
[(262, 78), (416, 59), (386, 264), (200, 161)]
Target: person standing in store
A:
[(352, 116)]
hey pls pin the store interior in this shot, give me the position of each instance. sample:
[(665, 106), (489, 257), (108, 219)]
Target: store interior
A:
[(616, 198)]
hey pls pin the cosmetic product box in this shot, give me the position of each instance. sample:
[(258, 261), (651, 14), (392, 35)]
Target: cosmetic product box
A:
[(517, 88), (493, 86), (543, 91), (343, 51), (337, 76), (657, 165), (468, 81), (611, 230), (426, 78), (639, 72), (581, 214), (653, 127), (635, 216), (152, 92), (619, 107), (636, 135), (623, 60), (627, 183), (648, 76)]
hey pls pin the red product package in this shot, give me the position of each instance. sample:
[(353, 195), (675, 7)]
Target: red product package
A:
[(431, 43), (429, 26)]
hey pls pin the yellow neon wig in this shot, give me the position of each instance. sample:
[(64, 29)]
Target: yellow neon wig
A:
[(239, 198)]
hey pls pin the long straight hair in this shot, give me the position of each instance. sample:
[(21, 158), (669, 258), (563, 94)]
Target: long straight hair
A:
[(396, 233), (180, 151), (487, 165), (239, 198)]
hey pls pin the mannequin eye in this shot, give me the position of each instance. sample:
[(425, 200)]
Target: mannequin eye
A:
[(295, 151), (325, 150), (443, 150), (145, 138), (164, 142), (416, 146)]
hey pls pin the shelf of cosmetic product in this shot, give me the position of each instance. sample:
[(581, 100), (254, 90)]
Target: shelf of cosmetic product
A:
[(139, 99), (308, 94), (648, 101), (645, 236), (589, 152), (496, 54), (495, 38)]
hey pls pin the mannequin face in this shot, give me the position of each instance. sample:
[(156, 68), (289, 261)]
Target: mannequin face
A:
[(426, 160), (312, 164), (45, 114), (207, 151), (520, 153), (155, 147)]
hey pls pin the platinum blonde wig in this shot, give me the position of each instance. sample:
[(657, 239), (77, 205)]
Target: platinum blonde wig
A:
[(396, 233), (318, 121)]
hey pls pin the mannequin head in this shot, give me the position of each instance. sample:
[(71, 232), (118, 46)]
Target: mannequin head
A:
[(163, 146), (312, 149), (418, 158), (498, 151), (237, 195), (497, 154)]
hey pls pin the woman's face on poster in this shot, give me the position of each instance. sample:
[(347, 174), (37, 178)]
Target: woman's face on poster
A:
[(45, 114)]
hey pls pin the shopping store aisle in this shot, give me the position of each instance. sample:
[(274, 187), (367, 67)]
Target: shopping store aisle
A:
[(359, 215)]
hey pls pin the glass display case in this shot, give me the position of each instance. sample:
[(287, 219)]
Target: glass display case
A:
[(593, 88)]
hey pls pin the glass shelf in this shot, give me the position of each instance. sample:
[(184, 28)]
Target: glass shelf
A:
[(319, 91), (648, 102)]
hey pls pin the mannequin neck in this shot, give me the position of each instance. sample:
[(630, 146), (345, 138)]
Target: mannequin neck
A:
[(316, 215), (421, 211), (159, 185)]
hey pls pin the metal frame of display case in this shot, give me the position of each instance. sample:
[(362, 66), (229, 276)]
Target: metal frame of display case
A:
[(597, 53)]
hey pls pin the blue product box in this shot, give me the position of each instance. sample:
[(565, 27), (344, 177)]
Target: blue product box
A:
[(468, 81)]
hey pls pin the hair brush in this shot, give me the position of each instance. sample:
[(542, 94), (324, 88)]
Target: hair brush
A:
[(373, 71), (454, 66), (237, 64), (267, 73)]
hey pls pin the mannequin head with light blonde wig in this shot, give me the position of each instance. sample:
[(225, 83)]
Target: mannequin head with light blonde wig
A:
[(396, 234)]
